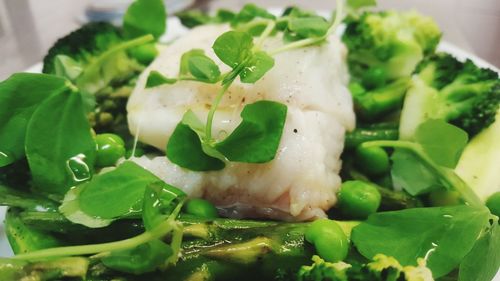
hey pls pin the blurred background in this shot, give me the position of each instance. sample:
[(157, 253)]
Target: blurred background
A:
[(29, 27)]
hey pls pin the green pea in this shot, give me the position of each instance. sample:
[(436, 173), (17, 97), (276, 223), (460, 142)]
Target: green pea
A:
[(358, 199), (493, 203), (374, 77), (145, 54), (372, 161), (329, 240), (110, 148), (201, 208), (139, 151)]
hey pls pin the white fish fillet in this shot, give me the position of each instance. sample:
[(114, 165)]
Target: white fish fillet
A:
[(301, 182)]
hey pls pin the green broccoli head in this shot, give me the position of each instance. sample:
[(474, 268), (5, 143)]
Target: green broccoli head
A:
[(459, 92), (394, 41), (83, 44), (96, 57), (321, 270)]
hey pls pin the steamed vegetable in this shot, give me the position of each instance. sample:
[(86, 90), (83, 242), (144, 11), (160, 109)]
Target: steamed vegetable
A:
[(460, 93)]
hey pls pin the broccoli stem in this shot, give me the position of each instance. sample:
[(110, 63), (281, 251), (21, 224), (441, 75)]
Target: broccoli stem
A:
[(362, 135)]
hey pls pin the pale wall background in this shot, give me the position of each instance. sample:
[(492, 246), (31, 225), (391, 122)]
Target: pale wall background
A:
[(29, 27)]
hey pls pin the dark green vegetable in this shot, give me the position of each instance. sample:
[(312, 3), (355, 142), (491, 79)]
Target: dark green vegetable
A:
[(110, 148), (201, 208), (358, 199), (370, 133), (59, 269), (493, 203), (145, 17), (372, 161), (145, 54), (460, 93), (328, 239), (25, 239)]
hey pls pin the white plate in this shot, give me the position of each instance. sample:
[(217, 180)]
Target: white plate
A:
[(175, 29)]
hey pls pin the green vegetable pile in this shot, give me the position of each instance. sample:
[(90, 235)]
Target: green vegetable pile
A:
[(79, 209)]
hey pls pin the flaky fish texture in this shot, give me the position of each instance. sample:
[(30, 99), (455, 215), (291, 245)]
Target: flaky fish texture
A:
[(302, 180)]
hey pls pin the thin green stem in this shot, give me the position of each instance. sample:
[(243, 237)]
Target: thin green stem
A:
[(269, 29), (311, 41), (447, 176), (211, 113)]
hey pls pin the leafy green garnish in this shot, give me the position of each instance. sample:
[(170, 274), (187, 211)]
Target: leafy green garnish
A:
[(233, 48), (155, 79), (116, 193), (257, 137), (308, 27), (257, 67), (185, 149), (160, 200), (249, 13), (483, 261), (59, 145), (20, 95), (443, 236), (145, 17), (196, 65), (67, 67)]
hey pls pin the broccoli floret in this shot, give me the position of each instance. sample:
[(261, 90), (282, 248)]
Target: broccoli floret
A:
[(83, 44), (382, 268), (460, 93), (372, 104), (393, 41), (321, 270), (97, 56)]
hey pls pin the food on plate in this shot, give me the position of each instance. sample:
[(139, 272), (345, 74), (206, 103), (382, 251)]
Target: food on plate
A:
[(255, 146)]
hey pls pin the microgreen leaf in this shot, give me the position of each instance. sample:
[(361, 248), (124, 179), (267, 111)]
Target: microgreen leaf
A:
[(144, 258), (233, 47), (67, 67), (257, 67), (59, 145), (160, 200), (184, 66), (116, 193), (20, 95), (441, 141), (358, 4), (443, 236), (193, 18), (309, 27), (184, 148), (411, 174), (204, 69), (156, 79), (257, 137), (250, 12), (145, 17), (483, 261)]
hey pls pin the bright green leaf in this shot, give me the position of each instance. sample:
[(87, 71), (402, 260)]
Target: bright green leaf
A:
[(160, 200), (257, 137), (59, 146), (411, 174), (141, 259), (441, 141), (483, 261), (250, 12), (155, 79), (204, 69), (20, 95), (145, 17), (233, 47), (441, 235), (357, 4), (258, 66), (184, 148), (67, 67), (117, 193), (309, 27), (184, 67)]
